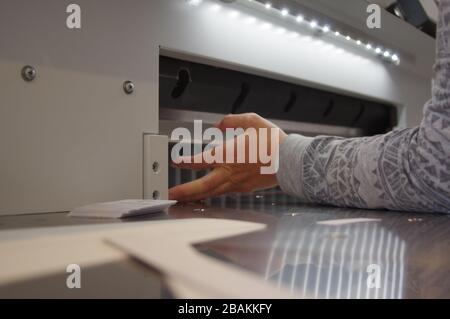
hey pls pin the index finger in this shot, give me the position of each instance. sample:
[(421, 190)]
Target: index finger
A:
[(198, 161), (199, 188)]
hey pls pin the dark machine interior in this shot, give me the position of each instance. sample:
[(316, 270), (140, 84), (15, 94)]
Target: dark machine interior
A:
[(198, 87)]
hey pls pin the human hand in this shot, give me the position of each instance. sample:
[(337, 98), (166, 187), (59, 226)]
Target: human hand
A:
[(235, 176)]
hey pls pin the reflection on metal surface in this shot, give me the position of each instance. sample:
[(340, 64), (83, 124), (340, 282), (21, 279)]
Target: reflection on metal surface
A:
[(385, 255), (332, 262)]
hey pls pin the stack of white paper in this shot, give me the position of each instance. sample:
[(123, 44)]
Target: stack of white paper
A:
[(122, 208)]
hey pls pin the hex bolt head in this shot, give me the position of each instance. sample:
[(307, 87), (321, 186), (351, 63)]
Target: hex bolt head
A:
[(28, 73), (128, 87)]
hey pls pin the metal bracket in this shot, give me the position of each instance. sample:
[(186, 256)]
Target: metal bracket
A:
[(156, 166)]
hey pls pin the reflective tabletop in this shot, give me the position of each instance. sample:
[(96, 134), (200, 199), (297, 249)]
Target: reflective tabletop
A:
[(316, 251)]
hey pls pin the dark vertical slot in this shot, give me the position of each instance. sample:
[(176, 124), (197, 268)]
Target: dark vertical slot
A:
[(329, 108), (291, 102), (183, 80), (245, 90), (362, 107)]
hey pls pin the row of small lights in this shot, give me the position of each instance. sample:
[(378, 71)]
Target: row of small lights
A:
[(326, 29), (313, 24)]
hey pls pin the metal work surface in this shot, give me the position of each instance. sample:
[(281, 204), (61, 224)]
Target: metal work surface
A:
[(315, 251)]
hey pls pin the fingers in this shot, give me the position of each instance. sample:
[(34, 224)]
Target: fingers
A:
[(225, 188), (238, 120), (200, 188), (195, 162), (220, 190), (190, 164)]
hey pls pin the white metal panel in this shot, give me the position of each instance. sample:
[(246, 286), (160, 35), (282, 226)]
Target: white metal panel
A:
[(72, 136)]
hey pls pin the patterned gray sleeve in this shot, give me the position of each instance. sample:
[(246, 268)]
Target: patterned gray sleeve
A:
[(405, 169)]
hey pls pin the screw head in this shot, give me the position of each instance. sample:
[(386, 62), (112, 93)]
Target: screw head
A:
[(155, 167), (128, 87), (28, 73)]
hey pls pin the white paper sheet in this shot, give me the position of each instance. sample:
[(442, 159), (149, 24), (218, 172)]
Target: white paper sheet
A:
[(197, 272), (122, 208)]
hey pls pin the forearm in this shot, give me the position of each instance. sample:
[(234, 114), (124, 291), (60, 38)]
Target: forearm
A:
[(402, 170), (372, 172)]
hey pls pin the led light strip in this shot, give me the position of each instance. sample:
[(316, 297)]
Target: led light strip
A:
[(311, 23)]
